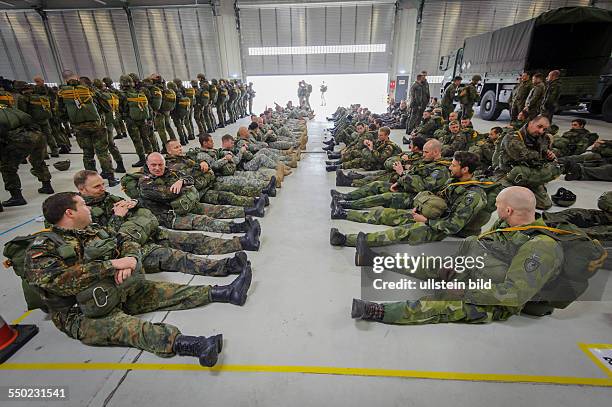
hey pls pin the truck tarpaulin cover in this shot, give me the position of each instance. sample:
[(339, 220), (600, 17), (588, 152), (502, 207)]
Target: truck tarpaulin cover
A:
[(507, 49)]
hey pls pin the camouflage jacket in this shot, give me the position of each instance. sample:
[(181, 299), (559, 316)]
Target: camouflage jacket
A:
[(520, 93), (48, 269), (550, 99), (429, 126), (253, 145), (412, 158), (484, 149), (155, 193), (573, 142), (415, 96), (449, 95), (519, 266), (186, 166), (456, 142), (534, 99), (521, 148), (382, 150), (425, 176), (464, 202), (102, 210), (213, 157), (468, 95)]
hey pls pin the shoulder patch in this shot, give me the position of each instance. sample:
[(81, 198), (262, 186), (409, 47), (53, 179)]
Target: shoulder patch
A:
[(531, 263), (435, 174)]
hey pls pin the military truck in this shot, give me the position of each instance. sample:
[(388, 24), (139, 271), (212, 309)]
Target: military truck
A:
[(575, 40)]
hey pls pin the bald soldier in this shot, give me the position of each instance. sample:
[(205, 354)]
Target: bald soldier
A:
[(534, 260)]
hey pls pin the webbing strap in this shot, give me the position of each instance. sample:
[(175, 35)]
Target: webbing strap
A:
[(521, 228)]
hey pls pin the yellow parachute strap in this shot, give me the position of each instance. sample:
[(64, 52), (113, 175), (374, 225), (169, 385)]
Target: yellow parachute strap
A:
[(157, 93), (190, 92), (471, 182), (43, 102), (520, 228), (185, 103), (141, 100), (206, 94), (7, 98), (598, 263), (169, 96), (518, 133), (82, 95), (113, 102)]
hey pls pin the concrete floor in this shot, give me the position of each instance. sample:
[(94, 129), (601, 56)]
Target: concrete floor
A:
[(298, 316)]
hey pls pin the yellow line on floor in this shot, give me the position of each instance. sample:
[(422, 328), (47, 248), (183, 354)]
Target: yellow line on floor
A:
[(21, 318), (342, 371)]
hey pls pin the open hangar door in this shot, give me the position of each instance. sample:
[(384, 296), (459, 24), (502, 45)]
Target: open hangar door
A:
[(330, 41)]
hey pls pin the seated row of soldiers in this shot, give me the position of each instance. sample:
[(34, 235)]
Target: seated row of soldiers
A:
[(88, 269), (448, 185)]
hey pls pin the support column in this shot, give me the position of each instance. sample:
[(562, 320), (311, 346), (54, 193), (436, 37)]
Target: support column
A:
[(229, 39), (54, 50), (128, 12)]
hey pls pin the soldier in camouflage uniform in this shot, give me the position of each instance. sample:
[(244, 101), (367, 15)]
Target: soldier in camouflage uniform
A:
[(415, 100), (519, 95), (485, 148), (78, 103), (170, 250), (468, 95), (251, 95), (447, 102), (177, 114), (134, 109), (214, 96), (575, 141), (595, 165), (189, 92), (428, 125), (221, 101), (91, 261), (552, 91), (204, 180), (535, 97), (525, 159), (21, 138), (516, 207), (430, 174), (373, 156), (43, 91), (454, 140), (198, 107), (109, 107), (465, 201), (119, 125)]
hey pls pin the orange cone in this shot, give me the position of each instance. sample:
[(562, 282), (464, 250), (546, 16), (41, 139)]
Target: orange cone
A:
[(12, 338)]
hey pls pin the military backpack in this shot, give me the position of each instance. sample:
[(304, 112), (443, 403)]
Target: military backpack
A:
[(138, 105), (168, 100), (79, 103)]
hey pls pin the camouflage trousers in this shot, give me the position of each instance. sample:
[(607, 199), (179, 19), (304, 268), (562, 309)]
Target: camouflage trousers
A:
[(121, 328), (411, 233), (191, 221), (93, 140), (384, 176), (112, 147), (197, 243), (344, 136), (599, 173), (595, 223), (381, 216), (260, 161), (246, 183), (467, 110), (189, 122), (543, 200), (198, 116), (218, 211), (179, 123), (220, 111), (373, 188), (157, 258), (215, 197), (433, 310), (142, 137), (29, 144), (413, 118), (163, 127), (395, 200)]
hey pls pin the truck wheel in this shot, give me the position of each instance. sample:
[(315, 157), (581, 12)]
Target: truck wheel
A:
[(489, 107), (606, 109)]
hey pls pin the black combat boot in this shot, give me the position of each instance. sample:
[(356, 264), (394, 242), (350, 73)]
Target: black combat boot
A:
[(369, 311), (248, 224), (205, 349), (331, 168), (140, 163), (263, 197), (336, 238), (191, 137), (64, 150), (333, 162), (16, 199), (334, 155), (405, 140), (46, 188), (257, 210), (337, 212), (270, 189), (330, 142), (236, 292), (55, 153), (110, 177), (364, 256), (120, 168), (250, 241), (236, 264), (328, 148), (343, 180), (338, 195)]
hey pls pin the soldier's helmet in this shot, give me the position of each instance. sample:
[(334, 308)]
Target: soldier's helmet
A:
[(177, 81), (134, 77), (430, 205), (126, 80), (214, 81), (194, 83), (63, 165), (605, 202), (201, 77), (107, 81), (171, 85), (98, 83), (564, 197), (476, 78)]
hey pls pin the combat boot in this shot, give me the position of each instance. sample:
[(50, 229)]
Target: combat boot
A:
[(236, 264), (292, 163), (368, 311), (236, 292), (120, 168), (287, 170), (334, 156), (55, 153), (16, 199), (338, 195), (331, 168), (336, 238), (191, 137), (248, 224), (46, 188), (265, 199), (343, 180), (270, 189), (364, 256), (205, 349), (258, 210), (330, 142), (110, 177), (140, 163), (64, 150), (337, 211), (405, 140), (250, 241), (328, 148)]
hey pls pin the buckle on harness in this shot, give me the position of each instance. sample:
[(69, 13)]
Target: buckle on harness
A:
[(95, 297)]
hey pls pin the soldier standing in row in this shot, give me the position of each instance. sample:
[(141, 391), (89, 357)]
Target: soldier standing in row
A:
[(519, 95), (536, 94), (109, 107), (415, 99), (550, 100), (468, 95), (449, 96)]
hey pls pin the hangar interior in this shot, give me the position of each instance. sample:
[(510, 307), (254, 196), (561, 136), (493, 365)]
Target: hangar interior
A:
[(294, 339)]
